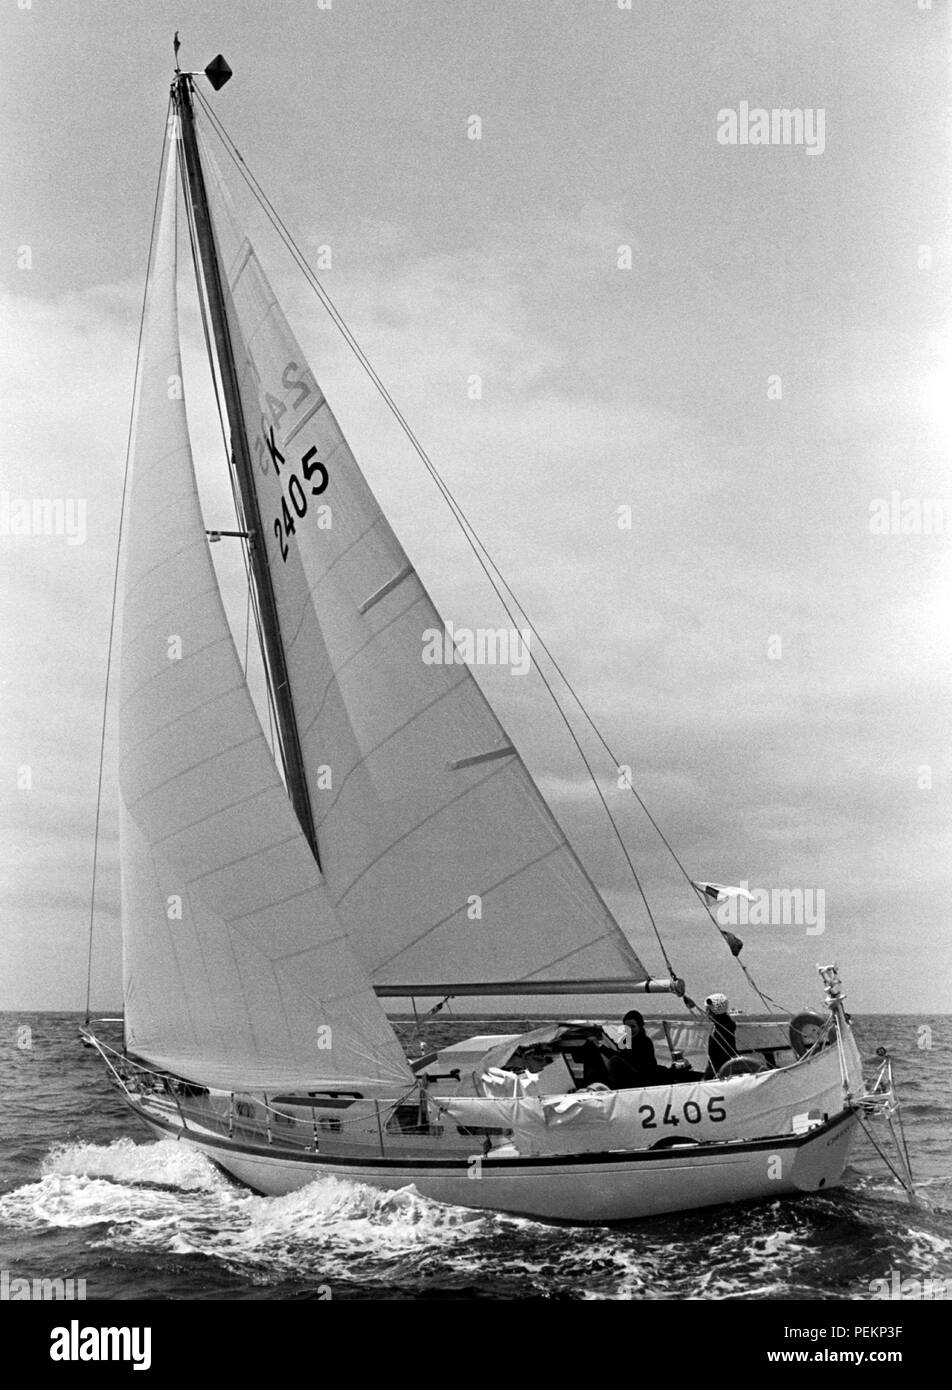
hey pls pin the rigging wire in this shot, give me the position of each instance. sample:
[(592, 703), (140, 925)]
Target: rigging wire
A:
[(902, 1136), (496, 579), (115, 577), (880, 1151), (896, 1109)]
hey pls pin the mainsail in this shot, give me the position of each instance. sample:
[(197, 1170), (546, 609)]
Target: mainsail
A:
[(237, 971), (443, 860)]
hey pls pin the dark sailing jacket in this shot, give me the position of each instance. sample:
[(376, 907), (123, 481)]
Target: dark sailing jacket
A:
[(633, 1066)]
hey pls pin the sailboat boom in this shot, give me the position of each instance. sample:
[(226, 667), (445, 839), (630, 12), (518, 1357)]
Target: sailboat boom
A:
[(496, 988)]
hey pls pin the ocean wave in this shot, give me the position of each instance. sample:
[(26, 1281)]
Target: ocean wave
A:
[(165, 1198), (166, 1163)]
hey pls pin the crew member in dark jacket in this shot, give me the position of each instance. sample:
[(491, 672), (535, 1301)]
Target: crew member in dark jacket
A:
[(634, 1065), (722, 1045)]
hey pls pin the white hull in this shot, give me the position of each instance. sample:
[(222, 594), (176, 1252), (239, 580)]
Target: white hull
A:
[(590, 1188)]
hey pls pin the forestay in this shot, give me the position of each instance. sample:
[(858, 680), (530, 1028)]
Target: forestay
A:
[(421, 803), (238, 973)]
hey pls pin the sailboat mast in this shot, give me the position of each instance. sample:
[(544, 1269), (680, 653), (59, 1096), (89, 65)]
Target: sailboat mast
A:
[(274, 656)]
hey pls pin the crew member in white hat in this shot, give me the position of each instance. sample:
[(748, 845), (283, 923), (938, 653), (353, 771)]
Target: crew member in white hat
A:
[(722, 1045)]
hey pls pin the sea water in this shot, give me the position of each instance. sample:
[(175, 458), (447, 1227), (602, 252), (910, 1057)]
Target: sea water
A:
[(85, 1194)]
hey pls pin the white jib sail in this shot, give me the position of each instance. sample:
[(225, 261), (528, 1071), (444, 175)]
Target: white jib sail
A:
[(442, 858), (237, 971)]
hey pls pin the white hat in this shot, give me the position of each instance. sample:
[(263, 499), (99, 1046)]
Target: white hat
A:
[(716, 1003)]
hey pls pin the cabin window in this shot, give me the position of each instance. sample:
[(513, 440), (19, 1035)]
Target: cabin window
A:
[(405, 1119)]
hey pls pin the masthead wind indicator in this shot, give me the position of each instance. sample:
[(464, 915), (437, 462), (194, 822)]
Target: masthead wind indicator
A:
[(218, 72)]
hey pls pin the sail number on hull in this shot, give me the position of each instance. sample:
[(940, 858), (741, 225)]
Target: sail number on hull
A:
[(691, 1112), (295, 497)]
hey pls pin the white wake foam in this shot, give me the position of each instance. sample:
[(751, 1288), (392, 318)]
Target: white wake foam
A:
[(165, 1197), (167, 1163)]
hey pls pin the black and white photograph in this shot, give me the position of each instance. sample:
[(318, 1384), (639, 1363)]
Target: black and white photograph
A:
[(476, 551)]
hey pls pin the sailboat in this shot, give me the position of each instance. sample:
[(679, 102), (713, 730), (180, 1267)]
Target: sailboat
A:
[(275, 897)]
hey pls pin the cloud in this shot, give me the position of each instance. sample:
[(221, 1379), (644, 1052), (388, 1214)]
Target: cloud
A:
[(799, 770)]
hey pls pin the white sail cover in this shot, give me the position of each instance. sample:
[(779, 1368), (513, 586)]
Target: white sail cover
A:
[(237, 972), (744, 1107), (442, 858)]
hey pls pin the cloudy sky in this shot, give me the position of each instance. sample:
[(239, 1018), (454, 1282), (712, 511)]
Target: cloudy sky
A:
[(773, 364)]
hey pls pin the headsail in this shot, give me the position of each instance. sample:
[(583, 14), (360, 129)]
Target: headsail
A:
[(237, 972), (421, 804)]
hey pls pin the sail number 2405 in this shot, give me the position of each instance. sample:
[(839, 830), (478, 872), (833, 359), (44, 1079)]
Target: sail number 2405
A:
[(315, 476), (690, 1110), (294, 500)]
